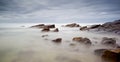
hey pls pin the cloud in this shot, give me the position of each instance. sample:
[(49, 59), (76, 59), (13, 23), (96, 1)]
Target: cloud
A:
[(59, 10)]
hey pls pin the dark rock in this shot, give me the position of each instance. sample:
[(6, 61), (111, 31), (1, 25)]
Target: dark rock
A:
[(56, 30), (58, 40), (38, 26), (94, 26), (72, 25), (108, 41), (50, 26), (43, 26), (83, 28), (45, 29), (82, 40)]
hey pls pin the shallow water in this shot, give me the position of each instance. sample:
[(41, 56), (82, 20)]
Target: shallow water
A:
[(23, 44)]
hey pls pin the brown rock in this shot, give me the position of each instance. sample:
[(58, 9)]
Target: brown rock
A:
[(82, 40), (58, 40), (110, 55), (46, 29)]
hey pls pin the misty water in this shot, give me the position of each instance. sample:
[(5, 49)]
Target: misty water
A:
[(24, 44)]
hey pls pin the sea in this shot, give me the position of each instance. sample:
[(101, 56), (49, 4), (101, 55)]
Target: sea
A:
[(20, 43)]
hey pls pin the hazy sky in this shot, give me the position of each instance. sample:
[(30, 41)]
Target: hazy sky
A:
[(59, 10)]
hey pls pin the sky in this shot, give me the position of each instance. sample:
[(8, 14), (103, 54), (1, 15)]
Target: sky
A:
[(59, 11)]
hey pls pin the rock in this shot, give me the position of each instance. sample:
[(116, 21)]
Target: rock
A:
[(72, 25), (43, 25), (82, 40), (38, 26), (56, 30), (112, 55), (108, 41), (58, 40), (94, 26), (44, 35), (84, 28), (50, 26), (45, 29)]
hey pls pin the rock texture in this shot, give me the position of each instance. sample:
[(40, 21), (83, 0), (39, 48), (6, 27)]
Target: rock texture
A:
[(111, 55), (82, 40)]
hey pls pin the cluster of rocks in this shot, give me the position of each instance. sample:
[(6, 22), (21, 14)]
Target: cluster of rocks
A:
[(110, 55), (109, 27), (72, 25), (46, 28)]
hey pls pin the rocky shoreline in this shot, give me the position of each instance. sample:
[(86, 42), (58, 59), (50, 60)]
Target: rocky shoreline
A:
[(112, 55)]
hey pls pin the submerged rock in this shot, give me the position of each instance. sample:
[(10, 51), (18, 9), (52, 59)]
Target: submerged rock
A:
[(58, 40), (56, 30), (72, 25), (84, 28), (44, 35), (82, 40), (108, 41)]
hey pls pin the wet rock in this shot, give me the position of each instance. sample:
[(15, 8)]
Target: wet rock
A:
[(108, 41), (111, 55), (58, 40), (72, 25), (82, 40), (72, 44), (45, 29), (56, 30)]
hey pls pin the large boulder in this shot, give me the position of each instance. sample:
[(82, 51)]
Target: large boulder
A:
[(57, 40), (72, 25), (111, 55), (108, 41), (82, 40)]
